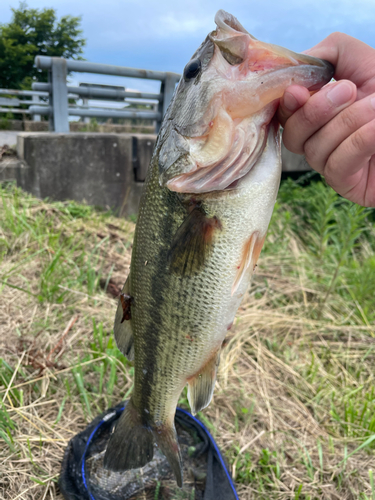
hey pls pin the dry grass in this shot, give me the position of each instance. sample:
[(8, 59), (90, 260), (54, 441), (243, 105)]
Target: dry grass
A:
[(294, 404)]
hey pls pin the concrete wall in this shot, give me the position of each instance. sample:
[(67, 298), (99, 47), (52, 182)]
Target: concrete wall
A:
[(106, 170), (10, 169), (87, 167)]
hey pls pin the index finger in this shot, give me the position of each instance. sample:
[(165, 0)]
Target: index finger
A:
[(294, 98)]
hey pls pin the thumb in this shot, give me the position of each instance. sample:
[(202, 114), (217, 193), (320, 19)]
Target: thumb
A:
[(294, 98)]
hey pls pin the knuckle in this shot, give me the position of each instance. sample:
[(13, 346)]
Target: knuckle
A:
[(337, 39), (311, 152), (310, 115), (336, 36), (348, 120), (371, 127), (367, 137), (309, 149), (358, 141), (329, 169)]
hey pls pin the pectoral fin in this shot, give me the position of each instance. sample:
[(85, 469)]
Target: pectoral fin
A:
[(192, 243), (250, 255), (122, 327), (201, 386)]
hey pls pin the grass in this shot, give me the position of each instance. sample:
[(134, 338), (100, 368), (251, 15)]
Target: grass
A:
[(294, 405)]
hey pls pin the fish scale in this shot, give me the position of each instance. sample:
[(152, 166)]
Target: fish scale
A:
[(192, 291), (204, 213)]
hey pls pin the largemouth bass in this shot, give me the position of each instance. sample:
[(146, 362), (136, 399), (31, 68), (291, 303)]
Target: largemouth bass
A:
[(205, 209)]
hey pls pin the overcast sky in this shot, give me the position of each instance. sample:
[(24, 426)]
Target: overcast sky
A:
[(164, 34)]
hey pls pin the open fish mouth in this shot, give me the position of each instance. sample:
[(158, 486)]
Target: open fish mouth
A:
[(250, 77), (246, 143)]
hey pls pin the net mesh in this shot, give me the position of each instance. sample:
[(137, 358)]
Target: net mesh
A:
[(206, 476)]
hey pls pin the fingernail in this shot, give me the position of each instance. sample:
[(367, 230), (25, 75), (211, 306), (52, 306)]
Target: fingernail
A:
[(290, 102), (340, 94)]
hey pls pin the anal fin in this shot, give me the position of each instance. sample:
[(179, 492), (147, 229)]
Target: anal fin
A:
[(122, 327), (201, 386)]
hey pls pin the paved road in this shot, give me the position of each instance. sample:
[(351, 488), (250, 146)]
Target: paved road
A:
[(8, 137)]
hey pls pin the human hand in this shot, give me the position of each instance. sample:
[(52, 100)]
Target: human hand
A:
[(335, 127)]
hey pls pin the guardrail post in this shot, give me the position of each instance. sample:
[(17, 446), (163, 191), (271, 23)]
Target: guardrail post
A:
[(36, 100), (155, 123), (85, 104), (59, 99)]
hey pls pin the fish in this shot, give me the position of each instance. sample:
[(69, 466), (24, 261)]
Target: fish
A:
[(204, 212)]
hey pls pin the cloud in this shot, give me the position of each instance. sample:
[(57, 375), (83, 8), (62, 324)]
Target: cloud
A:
[(164, 34), (171, 24)]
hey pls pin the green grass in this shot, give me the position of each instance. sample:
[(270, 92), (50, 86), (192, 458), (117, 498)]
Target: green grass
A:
[(338, 241), (294, 407)]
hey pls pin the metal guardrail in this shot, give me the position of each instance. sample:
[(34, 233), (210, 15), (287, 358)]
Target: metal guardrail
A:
[(13, 104), (58, 91)]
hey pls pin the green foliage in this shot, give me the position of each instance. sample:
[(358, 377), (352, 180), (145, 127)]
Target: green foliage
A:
[(6, 426), (337, 237), (4, 120), (30, 33), (64, 261), (262, 470), (92, 126), (98, 373)]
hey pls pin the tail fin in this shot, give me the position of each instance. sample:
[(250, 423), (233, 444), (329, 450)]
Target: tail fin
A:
[(166, 439), (131, 445)]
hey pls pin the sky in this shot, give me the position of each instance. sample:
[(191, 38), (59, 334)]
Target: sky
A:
[(162, 35)]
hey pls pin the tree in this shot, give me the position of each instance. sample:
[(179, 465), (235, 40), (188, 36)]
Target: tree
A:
[(33, 32)]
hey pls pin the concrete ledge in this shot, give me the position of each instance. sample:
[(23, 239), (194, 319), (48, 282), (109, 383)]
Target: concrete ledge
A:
[(11, 169), (86, 167), (106, 170), (293, 162)]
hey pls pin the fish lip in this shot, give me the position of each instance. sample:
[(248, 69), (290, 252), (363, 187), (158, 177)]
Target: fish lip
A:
[(225, 20), (315, 62), (325, 65), (330, 70), (330, 74), (231, 37)]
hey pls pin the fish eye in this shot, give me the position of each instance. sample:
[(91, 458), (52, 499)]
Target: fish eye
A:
[(192, 69)]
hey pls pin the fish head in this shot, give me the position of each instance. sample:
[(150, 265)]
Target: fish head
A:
[(217, 124)]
